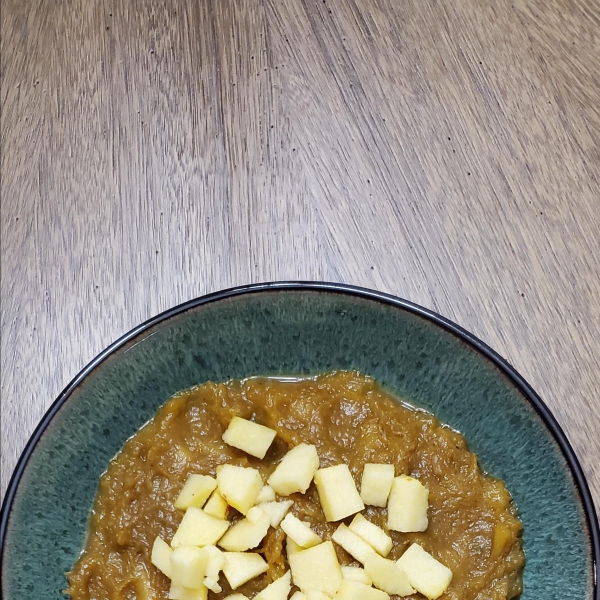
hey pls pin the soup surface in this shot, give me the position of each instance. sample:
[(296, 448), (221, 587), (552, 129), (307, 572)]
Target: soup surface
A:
[(473, 528)]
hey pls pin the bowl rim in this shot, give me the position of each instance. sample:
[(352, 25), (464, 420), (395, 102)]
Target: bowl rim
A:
[(340, 288)]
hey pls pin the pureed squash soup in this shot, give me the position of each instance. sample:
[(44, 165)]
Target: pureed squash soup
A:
[(472, 526)]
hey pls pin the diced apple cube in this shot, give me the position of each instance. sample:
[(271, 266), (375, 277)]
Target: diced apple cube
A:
[(266, 494), (195, 491), (301, 533), (316, 569), (161, 556), (276, 510), (372, 534), (278, 589), (247, 533), (355, 590), (356, 573), (256, 515), (337, 492), (213, 585), (198, 529), (216, 560), (295, 471), (236, 597), (387, 576), (291, 547), (239, 486), (407, 505), (298, 595), (352, 544), (317, 595), (376, 484), (188, 566), (178, 592), (216, 506), (248, 436), (241, 567), (426, 574)]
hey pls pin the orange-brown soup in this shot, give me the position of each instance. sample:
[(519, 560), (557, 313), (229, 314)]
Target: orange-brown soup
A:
[(473, 527)]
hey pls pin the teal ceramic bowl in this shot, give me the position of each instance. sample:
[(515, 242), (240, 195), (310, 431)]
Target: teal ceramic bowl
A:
[(299, 328)]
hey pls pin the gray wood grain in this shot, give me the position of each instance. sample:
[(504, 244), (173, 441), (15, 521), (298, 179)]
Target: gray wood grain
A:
[(154, 151)]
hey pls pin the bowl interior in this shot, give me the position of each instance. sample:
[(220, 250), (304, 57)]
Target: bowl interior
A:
[(295, 332)]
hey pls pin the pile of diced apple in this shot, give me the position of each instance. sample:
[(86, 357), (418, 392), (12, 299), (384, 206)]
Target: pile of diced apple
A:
[(206, 544)]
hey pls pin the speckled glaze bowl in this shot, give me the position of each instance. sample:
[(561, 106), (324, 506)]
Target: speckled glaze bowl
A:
[(299, 328)]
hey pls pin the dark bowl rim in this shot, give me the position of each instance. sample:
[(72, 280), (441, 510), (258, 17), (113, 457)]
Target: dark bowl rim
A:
[(507, 369)]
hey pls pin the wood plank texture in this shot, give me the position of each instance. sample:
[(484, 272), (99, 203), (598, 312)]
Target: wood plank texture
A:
[(447, 152)]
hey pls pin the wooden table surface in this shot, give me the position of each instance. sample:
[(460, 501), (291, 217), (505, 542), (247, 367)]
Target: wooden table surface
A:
[(446, 152)]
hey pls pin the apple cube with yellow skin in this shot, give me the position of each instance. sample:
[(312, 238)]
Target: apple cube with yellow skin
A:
[(372, 534), (198, 529), (296, 470), (252, 438), (425, 573), (188, 566), (276, 510), (239, 486), (216, 506), (241, 567), (376, 484), (356, 573), (161, 556), (352, 543), (182, 593), (316, 568), (387, 576), (355, 590), (278, 589), (337, 492), (195, 491), (266, 494), (407, 505), (298, 531), (247, 533)]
